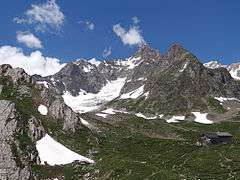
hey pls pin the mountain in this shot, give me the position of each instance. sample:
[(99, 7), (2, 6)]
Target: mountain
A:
[(134, 118), (23, 123), (147, 82), (234, 69)]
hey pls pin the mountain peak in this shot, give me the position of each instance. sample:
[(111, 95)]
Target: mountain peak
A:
[(175, 49), (146, 52)]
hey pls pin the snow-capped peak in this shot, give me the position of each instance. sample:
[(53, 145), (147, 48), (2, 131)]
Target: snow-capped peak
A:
[(213, 65), (94, 61), (234, 69), (131, 62)]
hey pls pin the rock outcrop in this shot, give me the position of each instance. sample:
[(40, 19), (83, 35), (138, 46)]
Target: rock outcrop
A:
[(14, 164)]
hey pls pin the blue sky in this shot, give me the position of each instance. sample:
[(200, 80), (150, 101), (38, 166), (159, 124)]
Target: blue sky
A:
[(208, 28)]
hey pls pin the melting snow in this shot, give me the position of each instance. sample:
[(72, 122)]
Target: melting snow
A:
[(184, 67), (109, 111), (88, 101), (176, 119), (43, 110), (221, 99), (134, 94), (146, 95), (145, 117), (160, 115), (213, 65), (234, 73), (201, 118), (84, 122), (87, 68), (45, 83), (120, 111), (54, 153), (131, 62), (141, 79), (102, 115)]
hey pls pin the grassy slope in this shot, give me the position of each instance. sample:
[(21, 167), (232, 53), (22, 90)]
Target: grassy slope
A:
[(126, 151), (136, 148)]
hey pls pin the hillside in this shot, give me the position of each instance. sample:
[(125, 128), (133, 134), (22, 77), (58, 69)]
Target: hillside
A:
[(139, 118)]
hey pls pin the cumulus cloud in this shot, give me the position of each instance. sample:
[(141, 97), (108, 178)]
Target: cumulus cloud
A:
[(46, 16), (35, 63), (107, 52), (28, 39), (89, 26), (131, 37), (135, 20)]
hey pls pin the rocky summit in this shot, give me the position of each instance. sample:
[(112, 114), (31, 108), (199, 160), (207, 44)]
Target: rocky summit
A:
[(135, 118), (174, 82)]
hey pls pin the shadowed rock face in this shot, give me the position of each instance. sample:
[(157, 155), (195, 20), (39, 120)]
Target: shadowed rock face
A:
[(178, 82), (21, 123), (185, 82), (174, 81), (14, 163), (78, 76), (186, 76), (57, 109)]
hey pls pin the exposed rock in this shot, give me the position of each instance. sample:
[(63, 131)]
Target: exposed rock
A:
[(24, 90), (35, 129), (176, 81), (78, 76), (9, 169), (58, 110), (17, 75)]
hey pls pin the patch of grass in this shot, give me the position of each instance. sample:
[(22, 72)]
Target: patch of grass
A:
[(15, 153), (215, 105)]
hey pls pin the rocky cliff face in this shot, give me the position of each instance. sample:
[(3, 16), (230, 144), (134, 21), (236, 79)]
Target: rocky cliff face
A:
[(184, 83), (21, 125), (175, 81), (234, 69), (10, 162)]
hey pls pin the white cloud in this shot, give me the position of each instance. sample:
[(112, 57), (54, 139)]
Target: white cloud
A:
[(131, 37), (35, 63), (28, 39), (135, 20), (46, 16), (90, 26), (107, 52)]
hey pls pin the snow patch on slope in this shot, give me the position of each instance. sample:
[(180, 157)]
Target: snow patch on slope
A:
[(87, 68), (131, 62), (45, 83), (213, 65), (145, 117), (222, 99), (201, 118), (86, 102), (109, 111), (234, 73), (54, 153), (102, 115), (134, 94), (42, 110), (184, 67), (84, 122), (176, 119)]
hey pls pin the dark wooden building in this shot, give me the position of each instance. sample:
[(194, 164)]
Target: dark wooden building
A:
[(216, 138)]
